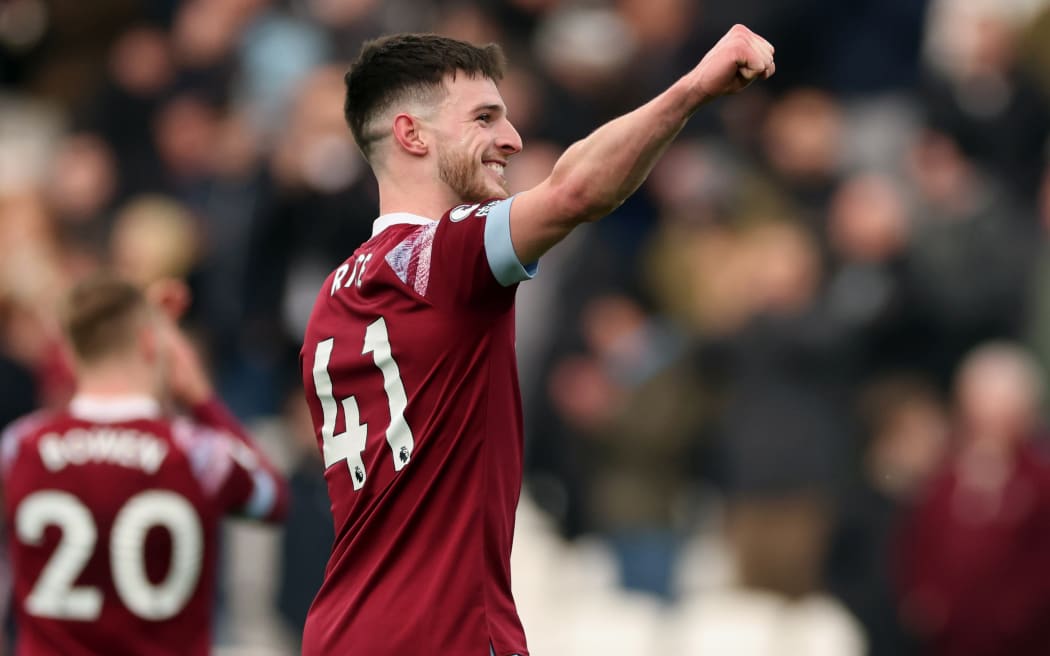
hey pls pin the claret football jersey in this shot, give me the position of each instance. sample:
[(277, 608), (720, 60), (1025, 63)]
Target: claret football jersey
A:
[(112, 513), (410, 372)]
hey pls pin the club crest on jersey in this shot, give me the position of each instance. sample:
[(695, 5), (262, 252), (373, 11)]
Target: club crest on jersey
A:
[(463, 211)]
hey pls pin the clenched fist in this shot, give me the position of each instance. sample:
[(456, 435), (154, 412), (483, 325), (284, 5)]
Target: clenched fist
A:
[(738, 59)]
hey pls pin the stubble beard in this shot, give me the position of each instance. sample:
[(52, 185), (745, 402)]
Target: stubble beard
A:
[(465, 177)]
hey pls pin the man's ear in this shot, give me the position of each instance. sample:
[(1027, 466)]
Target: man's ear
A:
[(408, 134)]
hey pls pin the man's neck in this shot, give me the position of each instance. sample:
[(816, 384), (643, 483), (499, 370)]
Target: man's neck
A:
[(422, 197), (115, 382)]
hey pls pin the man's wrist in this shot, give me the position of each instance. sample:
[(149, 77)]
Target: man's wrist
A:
[(688, 97)]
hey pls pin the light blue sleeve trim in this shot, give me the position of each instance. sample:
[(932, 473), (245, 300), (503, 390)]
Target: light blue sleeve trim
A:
[(500, 250), (264, 496)]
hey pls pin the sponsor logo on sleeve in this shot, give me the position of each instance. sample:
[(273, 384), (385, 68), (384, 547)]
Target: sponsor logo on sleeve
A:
[(484, 211)]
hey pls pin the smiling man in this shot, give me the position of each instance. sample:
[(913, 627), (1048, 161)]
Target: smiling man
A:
[(408, 360)]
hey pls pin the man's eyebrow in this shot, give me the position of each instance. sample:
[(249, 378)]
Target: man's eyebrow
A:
[(492, 107)]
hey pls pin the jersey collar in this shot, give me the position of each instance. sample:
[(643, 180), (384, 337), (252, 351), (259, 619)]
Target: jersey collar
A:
[(114, 409), (398, 218)]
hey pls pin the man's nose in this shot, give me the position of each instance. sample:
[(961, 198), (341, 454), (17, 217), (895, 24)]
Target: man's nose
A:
[(509, 140)]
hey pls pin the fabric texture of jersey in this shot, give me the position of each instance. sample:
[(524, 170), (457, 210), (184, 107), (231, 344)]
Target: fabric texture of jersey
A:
[(112, 513), (410, 372)]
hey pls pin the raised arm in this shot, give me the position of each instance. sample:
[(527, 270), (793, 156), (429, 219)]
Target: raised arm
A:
[(250, 485), (597, 174)]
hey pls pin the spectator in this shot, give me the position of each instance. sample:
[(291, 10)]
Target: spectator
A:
[(974, 567), (869, 235), (971, 255), (638, 407), (906, 426)]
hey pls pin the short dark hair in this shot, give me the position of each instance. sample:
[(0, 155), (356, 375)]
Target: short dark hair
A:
[(101, 316), (392, 67)]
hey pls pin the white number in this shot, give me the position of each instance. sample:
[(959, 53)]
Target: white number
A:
[(54, 594), (127, 546), (398, 434), (349, 444)]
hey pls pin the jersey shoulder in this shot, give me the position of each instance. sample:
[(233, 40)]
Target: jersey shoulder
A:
[(21, 430), (466, 257), (485, 227)]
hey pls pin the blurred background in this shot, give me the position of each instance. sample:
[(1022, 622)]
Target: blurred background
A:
[(787, 400)]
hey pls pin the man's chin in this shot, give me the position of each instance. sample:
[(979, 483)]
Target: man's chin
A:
[(498, 191), (495, 185)]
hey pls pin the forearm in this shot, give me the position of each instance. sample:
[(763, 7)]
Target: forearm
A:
[(595, 175), (603, 169)]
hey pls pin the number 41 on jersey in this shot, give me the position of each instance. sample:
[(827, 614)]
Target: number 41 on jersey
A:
[(350, 443)]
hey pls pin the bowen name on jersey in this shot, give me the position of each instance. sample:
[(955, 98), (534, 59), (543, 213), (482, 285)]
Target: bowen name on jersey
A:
[(124, 447)]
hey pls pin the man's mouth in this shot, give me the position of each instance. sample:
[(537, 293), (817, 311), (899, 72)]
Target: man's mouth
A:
[(498, 167)]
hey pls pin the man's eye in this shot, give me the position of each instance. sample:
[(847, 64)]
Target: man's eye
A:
[(485, 118)]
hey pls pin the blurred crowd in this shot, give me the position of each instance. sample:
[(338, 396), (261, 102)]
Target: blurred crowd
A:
[(790, 393)]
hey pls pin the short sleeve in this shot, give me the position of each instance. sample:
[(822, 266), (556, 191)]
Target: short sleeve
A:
[(499, 249), (473, 260)]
